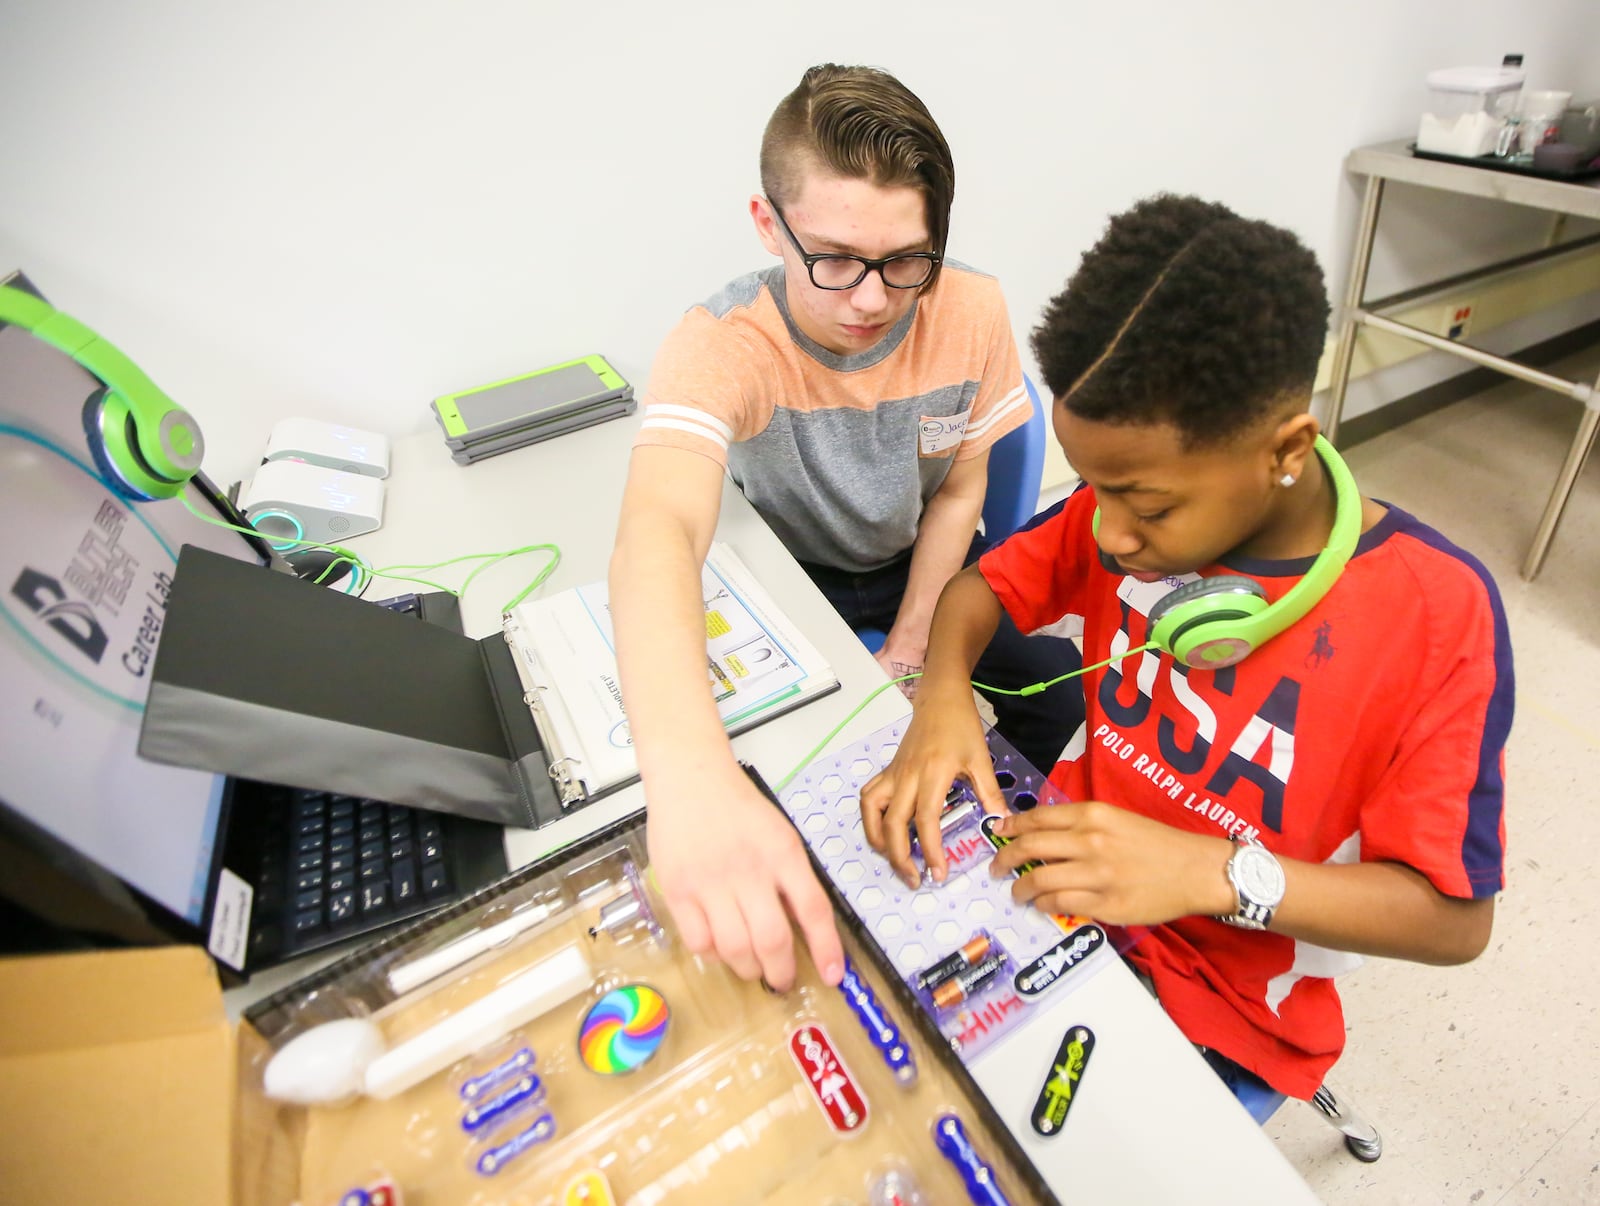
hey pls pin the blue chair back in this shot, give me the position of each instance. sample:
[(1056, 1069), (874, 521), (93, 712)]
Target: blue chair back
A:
[(1016, 469)]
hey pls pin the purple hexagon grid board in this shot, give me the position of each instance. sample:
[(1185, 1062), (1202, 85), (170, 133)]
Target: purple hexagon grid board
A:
[(923, 930)]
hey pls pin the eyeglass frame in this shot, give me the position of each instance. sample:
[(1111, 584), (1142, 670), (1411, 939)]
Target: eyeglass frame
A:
[(934, 259)]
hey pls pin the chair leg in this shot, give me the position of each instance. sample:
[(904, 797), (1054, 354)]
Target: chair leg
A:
[(1360, 1136)]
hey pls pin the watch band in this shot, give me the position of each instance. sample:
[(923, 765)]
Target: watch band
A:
[(1250, 912)]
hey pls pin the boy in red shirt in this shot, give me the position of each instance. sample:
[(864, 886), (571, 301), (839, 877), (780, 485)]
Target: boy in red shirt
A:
[(1337, 792)]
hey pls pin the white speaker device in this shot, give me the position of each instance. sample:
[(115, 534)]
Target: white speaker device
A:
[(291, 500), (348, 449)]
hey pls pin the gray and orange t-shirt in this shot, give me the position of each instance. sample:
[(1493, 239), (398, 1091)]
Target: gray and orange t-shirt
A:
[(839, 454)]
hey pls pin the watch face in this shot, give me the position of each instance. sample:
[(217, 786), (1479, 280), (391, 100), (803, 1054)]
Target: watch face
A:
[(1258, 874)]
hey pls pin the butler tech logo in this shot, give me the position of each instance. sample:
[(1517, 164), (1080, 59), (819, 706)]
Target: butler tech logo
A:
[(85, 582)]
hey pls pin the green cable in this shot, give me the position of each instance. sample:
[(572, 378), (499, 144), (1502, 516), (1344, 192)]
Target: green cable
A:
[(279, 543), (1031, 689)]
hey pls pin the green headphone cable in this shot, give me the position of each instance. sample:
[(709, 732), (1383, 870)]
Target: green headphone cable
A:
[(279, 543), (1031, 689)]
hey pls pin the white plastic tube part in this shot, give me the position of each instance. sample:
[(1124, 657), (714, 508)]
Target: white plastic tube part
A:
[(531, 992)]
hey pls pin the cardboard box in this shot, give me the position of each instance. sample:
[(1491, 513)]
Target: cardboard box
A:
[(120, 1071)]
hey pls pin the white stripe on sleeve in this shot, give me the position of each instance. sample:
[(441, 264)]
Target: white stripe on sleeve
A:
[(1017, 397)]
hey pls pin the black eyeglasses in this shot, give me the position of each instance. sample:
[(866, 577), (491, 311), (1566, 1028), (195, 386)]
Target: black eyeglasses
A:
[(909, 270)]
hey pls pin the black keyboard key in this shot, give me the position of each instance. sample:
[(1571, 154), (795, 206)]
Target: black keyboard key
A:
[(342, 807), (370, 833), (305, 923), (342, 845), (404, 848), (342, 882), (399, 833), (434, 879), (371, 814), (307, 880), (403, 877), (432, 851), (344, 827), (265, 938), (371, 852), (309, 842), (374, 896), (429, 830), (341, 907), (308, 862), (308, 900), (397, 813), (341, 862), (375, 868), (308, 826)]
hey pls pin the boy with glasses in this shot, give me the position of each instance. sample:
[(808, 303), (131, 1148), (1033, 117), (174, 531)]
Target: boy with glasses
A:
[(853, 393)]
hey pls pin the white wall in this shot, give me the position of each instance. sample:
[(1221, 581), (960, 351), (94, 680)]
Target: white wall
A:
[(345, 209)]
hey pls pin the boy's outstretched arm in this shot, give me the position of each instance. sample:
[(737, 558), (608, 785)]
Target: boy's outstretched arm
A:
[(943, 537), (945, 739), (1104, 862), (731, 867)]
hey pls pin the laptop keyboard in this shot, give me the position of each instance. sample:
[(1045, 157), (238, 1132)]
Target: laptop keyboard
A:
[(350, 864)]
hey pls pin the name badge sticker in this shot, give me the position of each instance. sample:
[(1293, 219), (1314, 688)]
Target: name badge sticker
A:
[(1142, 596), (936, 435)]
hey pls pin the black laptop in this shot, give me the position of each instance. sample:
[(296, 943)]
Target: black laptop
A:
[(102, 847)]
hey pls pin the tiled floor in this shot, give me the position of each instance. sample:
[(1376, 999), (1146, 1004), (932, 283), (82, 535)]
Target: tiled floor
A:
[(1484, 1080)]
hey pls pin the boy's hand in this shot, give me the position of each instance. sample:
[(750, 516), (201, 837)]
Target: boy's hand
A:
[(1116, 866), (899, 657), (895, 669), (943, 743), (733, 882)]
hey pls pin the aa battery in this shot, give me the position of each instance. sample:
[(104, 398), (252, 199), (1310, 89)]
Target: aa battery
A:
[(952, 818), (963, 984), (972, 952)]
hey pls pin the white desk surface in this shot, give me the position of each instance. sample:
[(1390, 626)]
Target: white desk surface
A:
[(1153, 1125)]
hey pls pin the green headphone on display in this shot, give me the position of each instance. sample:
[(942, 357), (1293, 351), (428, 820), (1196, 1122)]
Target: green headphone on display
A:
[(1216, 622), (144, 443)]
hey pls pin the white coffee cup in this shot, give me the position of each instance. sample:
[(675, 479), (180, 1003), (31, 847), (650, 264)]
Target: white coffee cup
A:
[(1540, 118)]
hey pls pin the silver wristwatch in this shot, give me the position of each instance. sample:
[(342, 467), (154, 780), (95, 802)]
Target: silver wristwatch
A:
[(1257, 879)]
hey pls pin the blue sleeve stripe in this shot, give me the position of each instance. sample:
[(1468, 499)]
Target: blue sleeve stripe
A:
[(1482, 852)]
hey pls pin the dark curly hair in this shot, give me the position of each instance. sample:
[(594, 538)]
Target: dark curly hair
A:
[(1185, 313)]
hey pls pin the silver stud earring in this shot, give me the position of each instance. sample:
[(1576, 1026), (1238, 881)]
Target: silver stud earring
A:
[(1286, 480)]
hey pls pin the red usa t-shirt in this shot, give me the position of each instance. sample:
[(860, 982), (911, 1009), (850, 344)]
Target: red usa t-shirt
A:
[(1373, 729)]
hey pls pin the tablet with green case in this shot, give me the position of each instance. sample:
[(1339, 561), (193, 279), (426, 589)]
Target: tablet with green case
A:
[(529, 400)]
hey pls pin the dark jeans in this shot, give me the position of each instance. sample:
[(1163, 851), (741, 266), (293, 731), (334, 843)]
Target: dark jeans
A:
[(1037, 725)]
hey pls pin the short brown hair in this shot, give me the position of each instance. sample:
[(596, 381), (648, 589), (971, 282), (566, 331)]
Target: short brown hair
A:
[(863, 124)]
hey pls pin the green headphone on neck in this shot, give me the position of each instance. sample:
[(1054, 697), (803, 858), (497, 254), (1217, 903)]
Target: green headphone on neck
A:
[(144, 443), (1217, 622)]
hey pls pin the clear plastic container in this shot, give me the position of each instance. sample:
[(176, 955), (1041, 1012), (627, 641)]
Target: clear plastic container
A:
[(1467, 108)]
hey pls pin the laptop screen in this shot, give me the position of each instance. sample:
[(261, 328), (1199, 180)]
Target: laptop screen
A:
[(84, 575)]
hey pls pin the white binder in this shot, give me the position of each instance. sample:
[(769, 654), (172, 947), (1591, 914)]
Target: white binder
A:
[(758, 665)]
